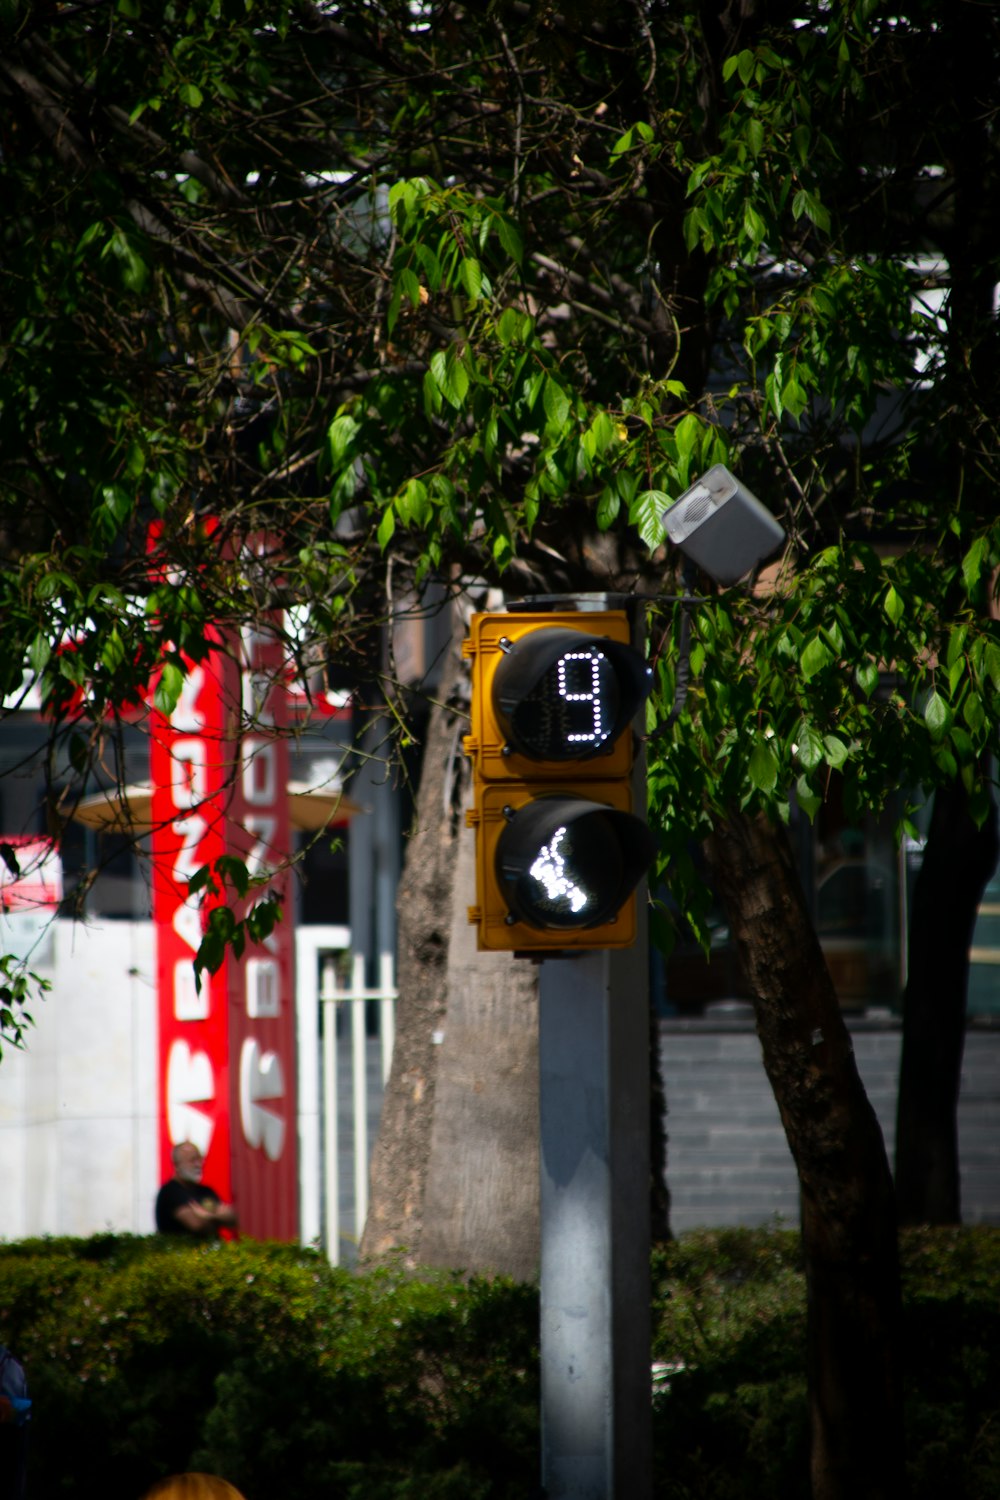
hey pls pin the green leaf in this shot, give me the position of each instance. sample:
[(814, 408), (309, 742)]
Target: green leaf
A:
[(807, 799), (263, 917), (112, 650), (458, 378), (974, 713), (836, 751), (430, 264), (753, 224), (470, 273), (409, 285), (510, 238), (956, 643), (815, 656), (937, 715), (39, 653), (491, 436), (340, 437), (413, 503), (556, 402), (992, 662), (513, 327), (386, 528), (687, 435), (763, 767), (810, 205), (200, 880), (866, 676), (893, 605), (646, 515), (809, 747), (168, 689), (191, 95), (602, 433), (794, 398), (233, 869), (116, 502), (450, 375), (608, 506), (973, 562)]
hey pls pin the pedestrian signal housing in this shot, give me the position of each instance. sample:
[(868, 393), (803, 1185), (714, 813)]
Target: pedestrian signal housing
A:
[(559, 850)]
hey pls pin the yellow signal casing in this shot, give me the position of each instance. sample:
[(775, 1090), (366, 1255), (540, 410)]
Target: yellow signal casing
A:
[(495, 934), (485, 744), (512, 780)]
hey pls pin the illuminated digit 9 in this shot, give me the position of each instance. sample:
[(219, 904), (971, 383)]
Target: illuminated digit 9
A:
[(592, 696)]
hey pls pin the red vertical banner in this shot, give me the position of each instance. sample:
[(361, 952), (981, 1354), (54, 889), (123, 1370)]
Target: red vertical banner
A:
[(191, 769), (261, 989), (220, 775)]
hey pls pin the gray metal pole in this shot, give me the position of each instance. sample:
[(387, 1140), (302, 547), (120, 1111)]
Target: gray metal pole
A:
[(595, 1223), (595, 1286)]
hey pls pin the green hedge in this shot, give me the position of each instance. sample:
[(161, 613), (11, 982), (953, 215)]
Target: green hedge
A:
[(262, 1363), (731, 1423)]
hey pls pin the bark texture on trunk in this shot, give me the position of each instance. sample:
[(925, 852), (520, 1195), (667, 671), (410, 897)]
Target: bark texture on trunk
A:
[(454, 1173), (482, 1203), (959, 860), (402, 1148), (848, 1210)]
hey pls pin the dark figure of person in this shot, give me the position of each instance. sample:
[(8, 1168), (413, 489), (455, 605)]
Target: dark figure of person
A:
[(15, 1409), (186, 1205)]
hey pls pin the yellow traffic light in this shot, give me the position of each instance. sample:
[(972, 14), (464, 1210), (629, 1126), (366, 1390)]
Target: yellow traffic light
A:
[(559, 850)]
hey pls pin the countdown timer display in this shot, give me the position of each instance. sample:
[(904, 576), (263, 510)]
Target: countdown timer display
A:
[(561, 695)]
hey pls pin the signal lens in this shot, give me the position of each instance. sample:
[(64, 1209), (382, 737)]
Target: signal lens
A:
[(568, 864), (572, 710), (562, 695)]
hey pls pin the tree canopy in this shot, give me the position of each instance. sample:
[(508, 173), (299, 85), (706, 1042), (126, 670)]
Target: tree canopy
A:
[(317, 304), (419, 291)]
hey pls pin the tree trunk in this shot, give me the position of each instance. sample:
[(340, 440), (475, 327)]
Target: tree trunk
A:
[(482, 1197), (402, 1148), (848, 1212), (959, 860), (454, 1175)]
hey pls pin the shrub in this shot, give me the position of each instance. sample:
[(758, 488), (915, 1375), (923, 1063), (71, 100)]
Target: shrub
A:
[(262, 1363), (729, 1325)]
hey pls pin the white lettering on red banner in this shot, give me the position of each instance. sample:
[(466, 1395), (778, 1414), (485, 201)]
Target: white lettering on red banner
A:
[(189, 761), (220, 778)]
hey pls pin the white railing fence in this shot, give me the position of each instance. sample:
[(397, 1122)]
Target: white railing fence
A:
[(345, 1038)]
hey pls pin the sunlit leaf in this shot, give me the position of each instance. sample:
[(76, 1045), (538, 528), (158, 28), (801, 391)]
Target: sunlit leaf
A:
[(763, 768)]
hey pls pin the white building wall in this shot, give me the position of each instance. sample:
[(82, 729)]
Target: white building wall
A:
[(78, 1150)]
